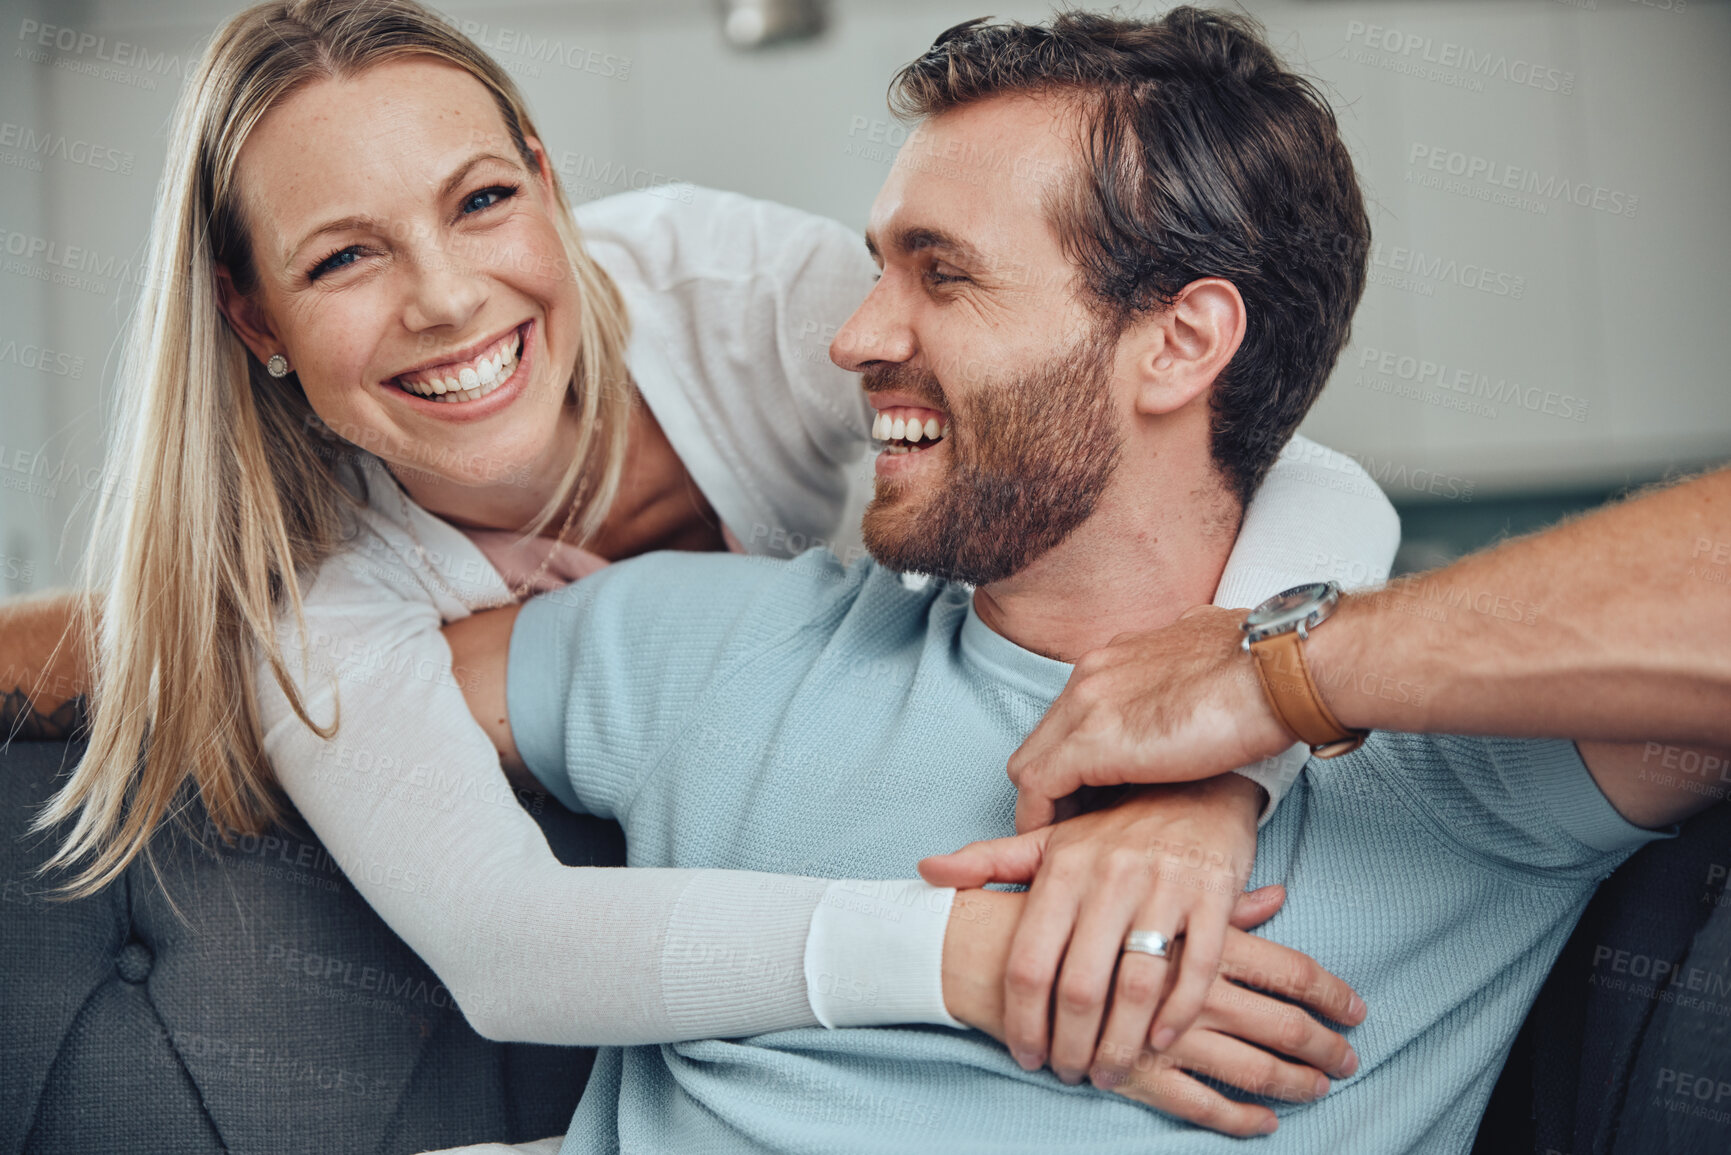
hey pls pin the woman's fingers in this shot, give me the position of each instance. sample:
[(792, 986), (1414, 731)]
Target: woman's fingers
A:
[(1110, 911), (1255, 907), (1276, 1026), (1280, 970), (1238, 1064), (1157, 1081)]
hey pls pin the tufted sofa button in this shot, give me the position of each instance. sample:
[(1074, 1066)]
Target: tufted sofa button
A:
[(134, 962)]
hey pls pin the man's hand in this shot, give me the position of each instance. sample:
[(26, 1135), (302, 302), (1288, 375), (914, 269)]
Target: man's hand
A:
[(1232, 1040), (1170, 705), (1173, 860)]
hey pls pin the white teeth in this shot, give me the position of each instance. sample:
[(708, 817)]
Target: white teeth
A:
[(907, 429), (471, 382)]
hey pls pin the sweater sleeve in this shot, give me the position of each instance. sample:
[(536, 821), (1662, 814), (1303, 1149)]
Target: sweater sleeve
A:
[(408, 797), (1317, 516)]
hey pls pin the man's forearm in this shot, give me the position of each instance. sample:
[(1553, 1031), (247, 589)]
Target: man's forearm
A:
[(44, 674), (1616, 626)]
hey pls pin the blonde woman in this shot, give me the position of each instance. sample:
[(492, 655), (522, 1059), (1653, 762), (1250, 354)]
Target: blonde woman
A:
[(378, 382)]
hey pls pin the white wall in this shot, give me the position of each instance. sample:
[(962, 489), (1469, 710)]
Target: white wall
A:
[(1615, 316)]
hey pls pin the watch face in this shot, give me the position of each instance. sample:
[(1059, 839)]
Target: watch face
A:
[(1288, 608)]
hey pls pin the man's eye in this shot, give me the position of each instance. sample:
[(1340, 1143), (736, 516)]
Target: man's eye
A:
[(488, 197), (335, 261), (939, 277)]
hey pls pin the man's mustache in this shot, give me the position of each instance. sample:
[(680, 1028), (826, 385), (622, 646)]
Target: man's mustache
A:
[(905, 379)]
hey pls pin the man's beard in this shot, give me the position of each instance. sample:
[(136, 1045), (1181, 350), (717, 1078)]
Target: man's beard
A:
[(1027, 467)]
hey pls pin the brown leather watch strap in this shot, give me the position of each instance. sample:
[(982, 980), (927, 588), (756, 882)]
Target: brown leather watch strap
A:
[(1286, 681)]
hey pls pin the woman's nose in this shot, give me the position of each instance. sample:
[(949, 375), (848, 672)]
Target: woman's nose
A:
[(445, 293)]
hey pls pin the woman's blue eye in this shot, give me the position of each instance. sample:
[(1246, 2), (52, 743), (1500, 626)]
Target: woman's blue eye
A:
[(336, 260), (486, 198)]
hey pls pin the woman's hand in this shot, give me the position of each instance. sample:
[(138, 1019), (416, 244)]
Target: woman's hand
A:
[(1171, 859), (1239, 1039)]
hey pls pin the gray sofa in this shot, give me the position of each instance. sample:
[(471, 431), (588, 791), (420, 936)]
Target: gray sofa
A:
[(275, 1013), (246, 1000)]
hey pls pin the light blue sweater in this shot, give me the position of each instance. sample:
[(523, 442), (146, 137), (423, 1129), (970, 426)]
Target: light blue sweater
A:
[(803, 718)]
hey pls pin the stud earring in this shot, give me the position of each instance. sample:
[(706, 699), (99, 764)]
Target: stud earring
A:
[(277, 366)]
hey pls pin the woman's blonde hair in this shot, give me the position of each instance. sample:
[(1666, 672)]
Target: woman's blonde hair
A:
[(223, 490)]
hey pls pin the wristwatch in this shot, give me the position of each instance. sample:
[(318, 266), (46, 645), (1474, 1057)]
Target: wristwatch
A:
[(1274, 634)]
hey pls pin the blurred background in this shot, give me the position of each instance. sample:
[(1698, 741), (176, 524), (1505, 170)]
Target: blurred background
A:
[(1548, 182)]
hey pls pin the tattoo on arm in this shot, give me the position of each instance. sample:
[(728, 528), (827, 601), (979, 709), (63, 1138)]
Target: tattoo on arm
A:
[(21, 720)]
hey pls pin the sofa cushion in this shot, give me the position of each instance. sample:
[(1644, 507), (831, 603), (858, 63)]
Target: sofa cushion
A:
[(243, 998), (1587, 1073)]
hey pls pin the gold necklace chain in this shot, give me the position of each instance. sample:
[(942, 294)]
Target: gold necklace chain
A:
[(512, 596)]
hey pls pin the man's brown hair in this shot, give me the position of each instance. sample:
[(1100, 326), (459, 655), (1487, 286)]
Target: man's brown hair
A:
[(1203, 157)]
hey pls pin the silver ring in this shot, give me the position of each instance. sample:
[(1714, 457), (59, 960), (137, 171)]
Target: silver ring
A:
[(1146, 942)]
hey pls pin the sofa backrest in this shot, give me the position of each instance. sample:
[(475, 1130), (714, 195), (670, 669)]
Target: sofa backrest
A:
[(243, 998)]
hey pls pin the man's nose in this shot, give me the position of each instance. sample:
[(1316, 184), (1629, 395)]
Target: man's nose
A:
[(877, 331)]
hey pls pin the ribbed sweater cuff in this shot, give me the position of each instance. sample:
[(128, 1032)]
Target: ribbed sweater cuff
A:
[(876, 952), (1568, 789)]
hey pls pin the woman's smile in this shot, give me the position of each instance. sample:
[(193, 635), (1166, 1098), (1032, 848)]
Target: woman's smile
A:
[(467, 375), (473, 386)]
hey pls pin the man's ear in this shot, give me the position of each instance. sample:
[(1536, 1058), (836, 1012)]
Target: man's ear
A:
[(1189, 344), (246, 318)]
